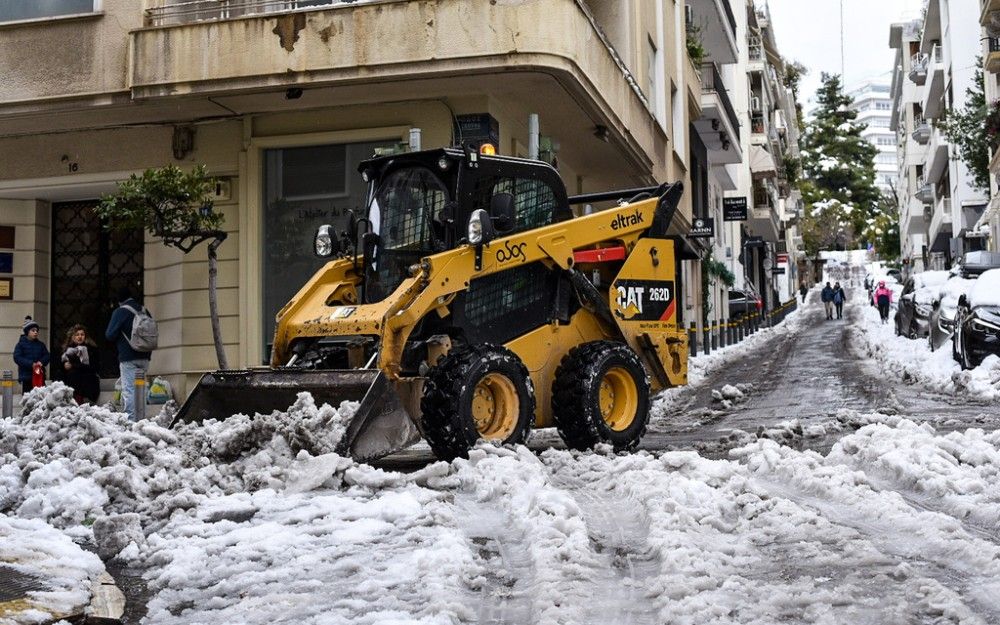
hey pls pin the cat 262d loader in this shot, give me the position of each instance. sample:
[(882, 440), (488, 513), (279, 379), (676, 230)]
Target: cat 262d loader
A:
[(469, 303)]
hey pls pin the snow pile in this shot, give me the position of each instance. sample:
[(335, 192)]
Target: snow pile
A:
[(68, 464), (913, 361), (35, 549), (985, 290)]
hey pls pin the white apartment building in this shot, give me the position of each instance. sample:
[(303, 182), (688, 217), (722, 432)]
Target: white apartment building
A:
[(872, 101), (989, 18), (938, 57)]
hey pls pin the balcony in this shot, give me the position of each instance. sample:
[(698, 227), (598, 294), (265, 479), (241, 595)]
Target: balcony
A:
[(921, 130), (940, 226), (758, 128), (245, 54), (934, 89), (718, 127), (918, 68), (924, 192), (755, 49), (717, 28), (992, 61), (763, 217), (936, 160), (990, 15)]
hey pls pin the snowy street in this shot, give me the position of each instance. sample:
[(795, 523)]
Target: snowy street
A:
[(815, 488)]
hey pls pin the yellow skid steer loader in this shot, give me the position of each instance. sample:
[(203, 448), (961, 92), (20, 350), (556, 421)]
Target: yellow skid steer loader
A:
[(469, 303)]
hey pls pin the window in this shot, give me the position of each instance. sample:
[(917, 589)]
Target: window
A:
[(883, 106), (886, 141), (15, 10), (651, 72), (304, 187)]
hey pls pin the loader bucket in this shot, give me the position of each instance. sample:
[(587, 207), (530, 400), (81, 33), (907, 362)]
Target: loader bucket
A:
[(380, 426)]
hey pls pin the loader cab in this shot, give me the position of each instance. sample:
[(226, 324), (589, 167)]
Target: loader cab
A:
[(420, 204)]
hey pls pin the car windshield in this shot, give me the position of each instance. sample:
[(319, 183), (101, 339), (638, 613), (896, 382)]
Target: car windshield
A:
[(402, 212)]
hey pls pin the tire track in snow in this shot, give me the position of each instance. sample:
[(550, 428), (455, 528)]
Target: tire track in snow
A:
[(922, 552), (619, 531), (504, 589)]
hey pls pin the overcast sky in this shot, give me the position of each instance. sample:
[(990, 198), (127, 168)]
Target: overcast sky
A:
[(808, 31)]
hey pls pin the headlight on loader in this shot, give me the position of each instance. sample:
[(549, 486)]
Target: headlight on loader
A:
[(324, 242), (476, 226)]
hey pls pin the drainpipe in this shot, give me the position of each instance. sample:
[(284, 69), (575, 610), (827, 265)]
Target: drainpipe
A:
[(533, 136)]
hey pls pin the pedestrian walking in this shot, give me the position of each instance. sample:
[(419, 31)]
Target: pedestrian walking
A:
[(839, 297), (31, 357), (130, 358), (803, 291), (883, 299), (827, 296), (81, 365)]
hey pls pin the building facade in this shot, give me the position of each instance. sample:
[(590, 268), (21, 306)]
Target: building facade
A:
[(940, 205), (989, 19), (872, 101), (282, 100)]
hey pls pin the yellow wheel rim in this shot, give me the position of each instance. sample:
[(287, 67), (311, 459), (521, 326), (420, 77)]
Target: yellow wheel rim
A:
[(619, 399), (495, 407)]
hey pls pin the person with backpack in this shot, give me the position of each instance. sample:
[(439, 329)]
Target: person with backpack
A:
[(826, 295), (135, 334), (839, 297), (31, 357)]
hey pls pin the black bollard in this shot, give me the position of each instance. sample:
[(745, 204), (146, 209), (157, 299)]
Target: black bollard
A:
[(693, 340)]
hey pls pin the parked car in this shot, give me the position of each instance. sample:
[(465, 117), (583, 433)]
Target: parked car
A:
[(916, 303), (974, 264), (743, 302), (945, 307), (977, 333)]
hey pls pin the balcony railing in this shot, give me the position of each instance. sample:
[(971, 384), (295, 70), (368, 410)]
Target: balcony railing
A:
[(994, 44), (757, 125), (921, 130), (756, 48), (711, 81), (918, 68), (172, 13), (925, 191), (936, 54)]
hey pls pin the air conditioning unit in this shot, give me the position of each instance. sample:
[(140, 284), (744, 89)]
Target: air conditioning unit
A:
[(755, 104)]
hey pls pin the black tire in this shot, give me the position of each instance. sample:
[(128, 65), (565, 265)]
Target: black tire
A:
[(576, 396), (451, 396)]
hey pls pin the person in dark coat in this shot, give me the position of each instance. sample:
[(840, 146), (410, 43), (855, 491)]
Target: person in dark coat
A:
[(81, 365), (839, 297), (30, 352), (803, 290), (130, 361), (827, 297)]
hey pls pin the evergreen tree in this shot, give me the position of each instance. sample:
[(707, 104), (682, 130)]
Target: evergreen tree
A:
[(967, 128), (838, 169)]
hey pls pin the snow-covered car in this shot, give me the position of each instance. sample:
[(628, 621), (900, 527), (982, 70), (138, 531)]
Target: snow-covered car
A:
[(916, 303), (977, 333), (945, 306)]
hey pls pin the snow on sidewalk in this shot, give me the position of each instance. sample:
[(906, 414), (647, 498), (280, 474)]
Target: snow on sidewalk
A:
[(254, 521), (912, 360)]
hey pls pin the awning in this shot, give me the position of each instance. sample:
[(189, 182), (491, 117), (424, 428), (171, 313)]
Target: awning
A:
[(762, 163)]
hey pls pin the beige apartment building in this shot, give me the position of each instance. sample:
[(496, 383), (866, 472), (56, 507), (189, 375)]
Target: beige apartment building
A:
[(281, 100)]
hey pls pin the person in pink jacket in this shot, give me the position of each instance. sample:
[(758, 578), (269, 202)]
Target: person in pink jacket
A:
[(883, 298)]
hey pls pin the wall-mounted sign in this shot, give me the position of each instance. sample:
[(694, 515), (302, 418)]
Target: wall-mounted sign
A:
[(6, 288), (778, 270), (6, 262), (702, 227), (734, 209)]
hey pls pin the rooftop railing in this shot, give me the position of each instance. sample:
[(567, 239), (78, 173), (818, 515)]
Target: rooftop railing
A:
[(173, 13)]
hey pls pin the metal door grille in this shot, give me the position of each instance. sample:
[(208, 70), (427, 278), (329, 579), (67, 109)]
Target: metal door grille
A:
[(89, 265)]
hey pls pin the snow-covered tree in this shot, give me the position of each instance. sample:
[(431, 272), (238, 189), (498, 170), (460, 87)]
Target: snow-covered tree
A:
[(970, 130), (838, 170)]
